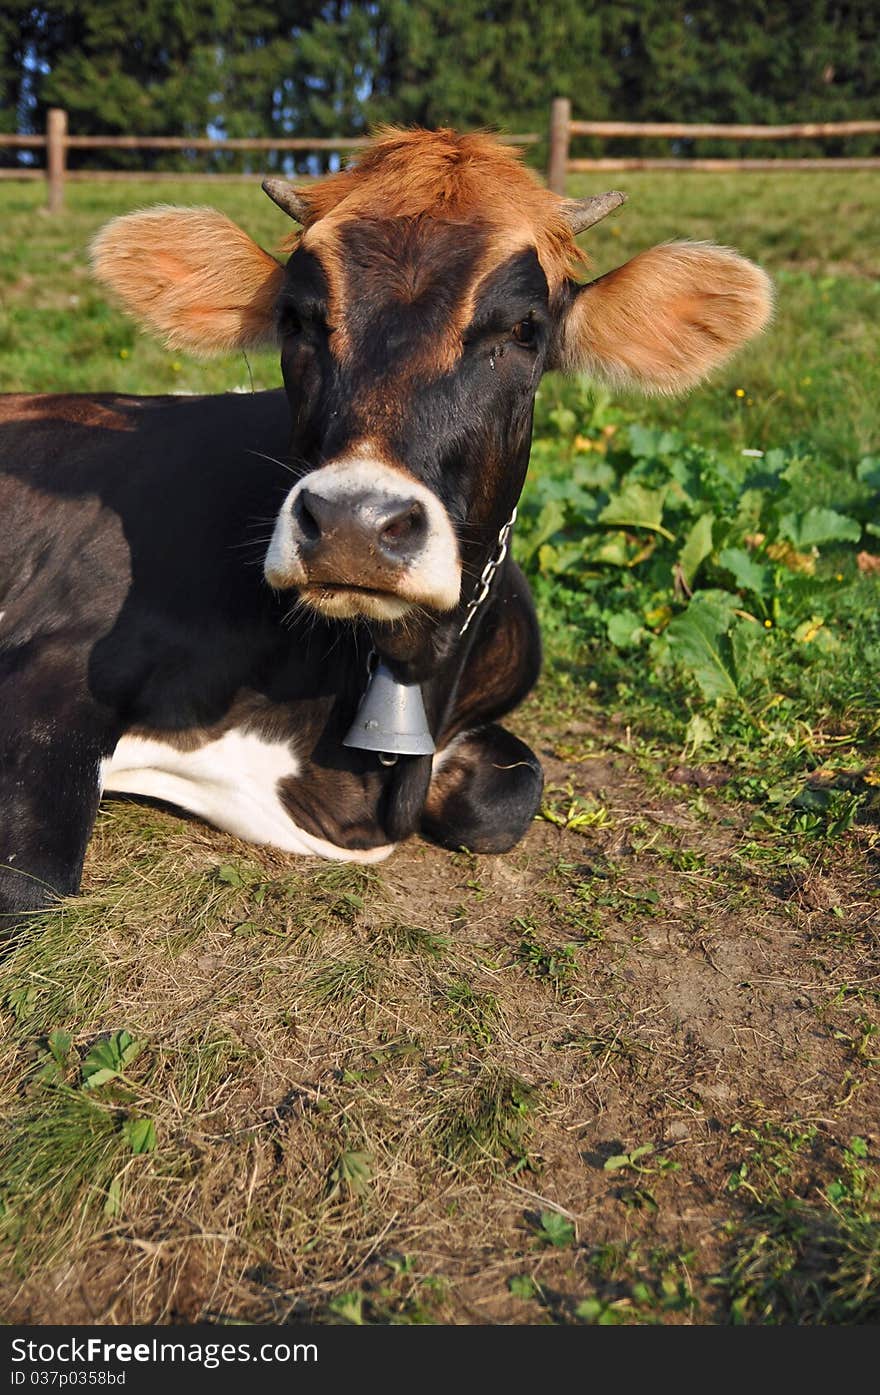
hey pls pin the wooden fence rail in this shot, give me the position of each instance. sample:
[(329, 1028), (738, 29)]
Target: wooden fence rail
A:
[(723, 165), (563, 128), (57, 141), (807, 130)]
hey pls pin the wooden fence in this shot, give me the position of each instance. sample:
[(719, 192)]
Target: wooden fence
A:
[(57, 141), (563, 128)]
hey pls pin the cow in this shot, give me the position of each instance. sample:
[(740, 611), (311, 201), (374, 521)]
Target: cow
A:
[(198, 595)]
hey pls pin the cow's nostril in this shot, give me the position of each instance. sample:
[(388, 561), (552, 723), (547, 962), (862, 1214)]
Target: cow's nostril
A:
[(308, 524), (352, 532), (404, 528)]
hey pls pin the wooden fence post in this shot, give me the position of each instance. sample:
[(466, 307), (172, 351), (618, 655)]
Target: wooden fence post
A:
[(56, 157), (560, 119)]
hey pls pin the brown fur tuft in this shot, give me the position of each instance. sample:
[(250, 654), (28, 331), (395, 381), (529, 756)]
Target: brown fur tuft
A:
[(458, 178)]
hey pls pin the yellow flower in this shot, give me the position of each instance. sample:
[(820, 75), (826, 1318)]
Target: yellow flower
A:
[(768, 624), (740, 392), (175, 367), (838, 576), (123, 353)]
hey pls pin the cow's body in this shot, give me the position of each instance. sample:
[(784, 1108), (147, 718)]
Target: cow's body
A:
[(193, 590), (141, 650)]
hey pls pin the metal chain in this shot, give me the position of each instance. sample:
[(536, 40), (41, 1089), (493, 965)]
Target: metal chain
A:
[(488, 574)]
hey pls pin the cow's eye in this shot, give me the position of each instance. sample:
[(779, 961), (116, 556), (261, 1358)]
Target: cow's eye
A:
[(526, 332)]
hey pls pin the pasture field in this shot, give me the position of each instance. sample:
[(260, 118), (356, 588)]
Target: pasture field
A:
[(628, 1073)]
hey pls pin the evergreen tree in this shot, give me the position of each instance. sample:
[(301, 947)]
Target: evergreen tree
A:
[(336, 67), (19, 74)]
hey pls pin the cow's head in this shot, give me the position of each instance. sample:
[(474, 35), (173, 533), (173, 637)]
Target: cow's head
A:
[(430, 287)]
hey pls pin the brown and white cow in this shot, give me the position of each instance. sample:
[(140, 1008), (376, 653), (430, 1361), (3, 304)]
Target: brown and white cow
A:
[(192, 589)]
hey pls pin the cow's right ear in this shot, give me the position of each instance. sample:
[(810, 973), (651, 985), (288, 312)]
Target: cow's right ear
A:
[(192, 276)]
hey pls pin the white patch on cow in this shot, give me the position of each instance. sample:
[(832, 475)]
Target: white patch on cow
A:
[(231, 782), (432, 579), (2, 613)]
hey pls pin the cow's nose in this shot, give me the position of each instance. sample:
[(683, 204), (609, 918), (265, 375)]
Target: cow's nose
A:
[(359, 524)]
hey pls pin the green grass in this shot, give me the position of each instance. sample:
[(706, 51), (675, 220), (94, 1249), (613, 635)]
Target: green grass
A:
[(483, 1120), (812, 1257), (812, 375), (58, 1161), (626, 1074)]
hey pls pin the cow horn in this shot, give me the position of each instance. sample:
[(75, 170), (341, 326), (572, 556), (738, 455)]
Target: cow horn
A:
[(581, 214), (287, 198)]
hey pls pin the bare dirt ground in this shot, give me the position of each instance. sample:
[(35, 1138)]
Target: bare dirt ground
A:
[(586, 1081)]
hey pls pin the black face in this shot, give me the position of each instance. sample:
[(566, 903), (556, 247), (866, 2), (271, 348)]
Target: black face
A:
[(411, 372), (450, 396)]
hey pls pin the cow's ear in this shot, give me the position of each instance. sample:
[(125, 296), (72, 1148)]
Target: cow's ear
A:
[(192, 276), (664, 320)]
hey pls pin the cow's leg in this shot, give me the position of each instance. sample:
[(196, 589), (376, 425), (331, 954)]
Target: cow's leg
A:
[(485, 793), (48, 801), (487, 784), (51, 741)]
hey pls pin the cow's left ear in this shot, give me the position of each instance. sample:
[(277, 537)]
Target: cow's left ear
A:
[(192, 276), (664, 320)]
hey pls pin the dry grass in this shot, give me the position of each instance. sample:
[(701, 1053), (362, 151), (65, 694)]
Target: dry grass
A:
[(368, 1087)]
